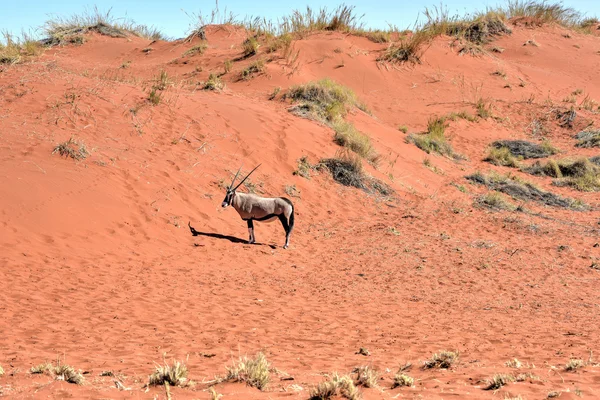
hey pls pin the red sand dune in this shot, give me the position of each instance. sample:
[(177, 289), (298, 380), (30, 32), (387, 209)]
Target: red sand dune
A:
[(100, 271)]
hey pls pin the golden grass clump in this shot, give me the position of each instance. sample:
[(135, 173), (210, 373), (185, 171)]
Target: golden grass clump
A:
[(198, 49), (68, 374), (408, 48), (250, 46), (574, 364), (324, 100), (348, 136), (14, 50), (514, 363), (434, 141), (580, 174), (336, 386), (254, 372), (498, 381), (59, 371), (502, 156), (401, 379), (60, 31), (71, 148), (444, 359), (495, 201), (174, 375), (213, 83), (249, 72), (366, 376)]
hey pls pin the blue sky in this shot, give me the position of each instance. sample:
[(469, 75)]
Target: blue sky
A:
[(171, 18)]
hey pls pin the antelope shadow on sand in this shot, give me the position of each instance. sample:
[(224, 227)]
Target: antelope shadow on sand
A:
[(232, 239)]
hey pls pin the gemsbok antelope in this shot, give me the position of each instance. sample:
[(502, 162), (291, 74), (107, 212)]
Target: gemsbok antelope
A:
[(255, 208)]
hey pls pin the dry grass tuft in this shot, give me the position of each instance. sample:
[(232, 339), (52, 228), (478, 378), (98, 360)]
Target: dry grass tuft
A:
[(14, 50), (537, 13), (68, 374), (254, 372), (346, 169), (589, 138), (336, 386), (328, 102), (324, 100), (71, 148), (498, 381), (502, 156), (434, 141), (347, 135), (524, 150), (198, 49), (250, 46), (253, 69), (60, 31), (304, 167), (495, 201), (174, 375), (213, 394), (401, 379), (444, 359), (580, 174), (514, 363), (523, 190), (59, 371), (213, 83), (366, 376), (408, 49), (574, 364)]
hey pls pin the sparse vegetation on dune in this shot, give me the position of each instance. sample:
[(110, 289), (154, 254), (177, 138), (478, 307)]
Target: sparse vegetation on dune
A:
[(502, 156), (580, 173), (589, 138), (196, 50), (59, 371), (338, 385), (443, 359), (366, 376), (213, 83), (402, 379), (347, 135), (72, 148), (408, 49), (434, 140), (254, 372), (495, 201), (480, 28), (324, 100), (523, 190), (329, 102), (346, 168), (174, 375), (60, 31), (499, 380), (252, 70), (540, 12), (522, 149), (16, 49)]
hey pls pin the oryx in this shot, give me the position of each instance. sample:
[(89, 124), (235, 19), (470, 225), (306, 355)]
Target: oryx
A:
[(255, 208)]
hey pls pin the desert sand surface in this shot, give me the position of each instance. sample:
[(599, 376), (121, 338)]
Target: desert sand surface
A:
[(100, 270)]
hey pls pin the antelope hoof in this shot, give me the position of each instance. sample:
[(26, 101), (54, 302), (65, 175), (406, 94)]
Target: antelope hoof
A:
[(285, 246)]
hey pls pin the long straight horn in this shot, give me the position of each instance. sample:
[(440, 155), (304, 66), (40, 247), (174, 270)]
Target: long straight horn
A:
[(236, 175), (243, 180)]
